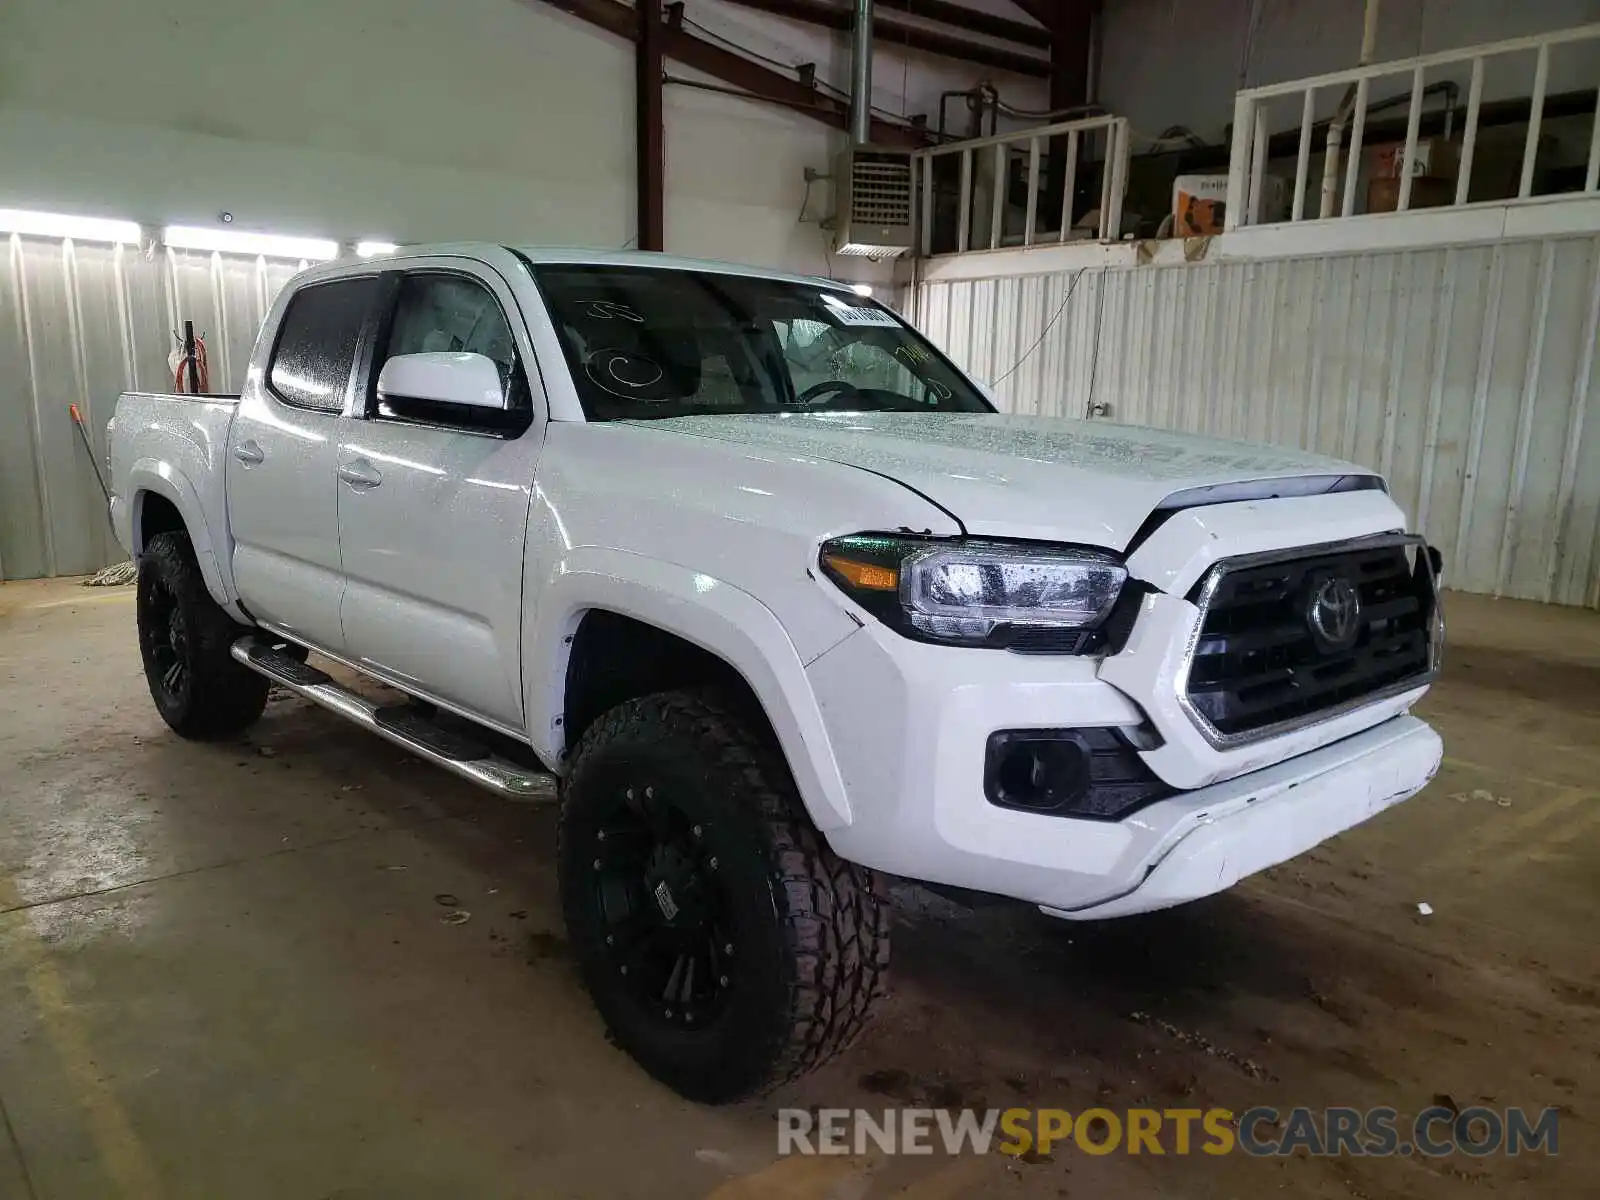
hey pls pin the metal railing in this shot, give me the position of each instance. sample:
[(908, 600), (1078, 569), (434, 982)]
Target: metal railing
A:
[(1247, 163), (983, 185)]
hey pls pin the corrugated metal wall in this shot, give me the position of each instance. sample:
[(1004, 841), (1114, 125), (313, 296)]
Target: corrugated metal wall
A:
[(1468, 375), (79, 324)]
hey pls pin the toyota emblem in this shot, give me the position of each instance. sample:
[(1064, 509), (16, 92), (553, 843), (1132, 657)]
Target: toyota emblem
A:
[(1334, 613)]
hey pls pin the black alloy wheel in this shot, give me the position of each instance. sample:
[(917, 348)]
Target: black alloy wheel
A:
[(166, 643), (665, 911), (186, 640), (726, 946)]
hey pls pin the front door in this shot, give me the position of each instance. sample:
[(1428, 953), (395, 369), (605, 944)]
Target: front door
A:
[(433, 507), (281, 460)]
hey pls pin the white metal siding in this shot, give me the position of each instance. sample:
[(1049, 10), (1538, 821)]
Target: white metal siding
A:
[(1468, 375), (78, 325)]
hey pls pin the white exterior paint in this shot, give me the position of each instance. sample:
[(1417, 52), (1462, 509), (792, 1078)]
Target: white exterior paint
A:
[(177, 452), (1468, 375), (467, 588), (1022, 477)]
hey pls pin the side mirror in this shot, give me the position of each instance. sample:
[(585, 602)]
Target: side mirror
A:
[(443, 377)]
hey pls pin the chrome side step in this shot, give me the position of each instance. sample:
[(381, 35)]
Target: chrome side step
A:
[(401, 725)]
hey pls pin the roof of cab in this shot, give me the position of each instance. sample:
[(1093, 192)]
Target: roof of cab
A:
[(582, 256), (493, 252)]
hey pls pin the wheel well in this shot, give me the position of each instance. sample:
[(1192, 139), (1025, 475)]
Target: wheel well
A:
[(616, 658), (157, 514)]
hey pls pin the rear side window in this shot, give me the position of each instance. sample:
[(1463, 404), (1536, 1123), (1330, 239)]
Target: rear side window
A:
[(317, 342)]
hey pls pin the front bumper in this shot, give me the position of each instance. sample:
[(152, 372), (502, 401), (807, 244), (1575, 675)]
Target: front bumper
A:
[(1220, 834), (908, 724)]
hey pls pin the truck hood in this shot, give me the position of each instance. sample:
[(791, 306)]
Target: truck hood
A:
[(1090, 482)]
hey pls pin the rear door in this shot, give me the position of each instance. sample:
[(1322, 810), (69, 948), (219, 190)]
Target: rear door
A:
[(282, 507), (433, 504)]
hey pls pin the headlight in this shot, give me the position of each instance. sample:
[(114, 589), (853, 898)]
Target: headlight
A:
[(1041, 598)]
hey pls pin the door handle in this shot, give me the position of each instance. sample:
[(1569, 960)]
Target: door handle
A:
[(249, 452), (360, 474)]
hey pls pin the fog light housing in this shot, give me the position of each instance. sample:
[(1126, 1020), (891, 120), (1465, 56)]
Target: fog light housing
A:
[(1038, 773), (1093, 774)]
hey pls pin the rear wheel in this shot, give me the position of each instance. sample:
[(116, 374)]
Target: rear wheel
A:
[(726, 946), (184, 639)]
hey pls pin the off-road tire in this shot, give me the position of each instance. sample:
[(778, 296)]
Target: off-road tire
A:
[(814, 929), (218, 697)]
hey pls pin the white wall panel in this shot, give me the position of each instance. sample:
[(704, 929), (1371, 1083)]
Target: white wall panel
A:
[(1468, 375), (402, 119), (78, 325)]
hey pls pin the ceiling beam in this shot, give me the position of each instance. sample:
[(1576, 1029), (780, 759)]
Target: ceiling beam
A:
[(959, 16), (763, 83), (1040, 10), (760, 82), (889, 32), (607, 14)]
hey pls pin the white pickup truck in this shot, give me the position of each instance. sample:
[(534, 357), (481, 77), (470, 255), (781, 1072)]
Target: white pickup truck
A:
[(785, 605)]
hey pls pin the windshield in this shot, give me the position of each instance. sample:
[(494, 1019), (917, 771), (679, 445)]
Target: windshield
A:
[(650, 342)]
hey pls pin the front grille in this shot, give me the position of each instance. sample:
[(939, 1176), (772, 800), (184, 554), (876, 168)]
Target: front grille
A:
[(1263, 660)]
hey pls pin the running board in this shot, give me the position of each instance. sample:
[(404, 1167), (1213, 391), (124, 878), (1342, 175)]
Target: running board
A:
[(401, 725)]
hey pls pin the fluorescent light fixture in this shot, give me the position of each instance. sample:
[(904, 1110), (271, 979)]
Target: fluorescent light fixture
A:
[(373, 249), (60, 225), (228, 241), (861, 289)]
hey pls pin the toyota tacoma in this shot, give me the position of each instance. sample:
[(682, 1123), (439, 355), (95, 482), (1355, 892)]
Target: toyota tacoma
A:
[(785, 605)]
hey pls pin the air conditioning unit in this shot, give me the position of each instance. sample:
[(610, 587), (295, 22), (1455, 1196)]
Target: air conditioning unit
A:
[(872, 209)]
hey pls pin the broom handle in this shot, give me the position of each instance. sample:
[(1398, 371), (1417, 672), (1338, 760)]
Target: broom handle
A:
[(83, 435)]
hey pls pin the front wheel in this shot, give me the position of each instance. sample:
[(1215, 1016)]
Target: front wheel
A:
[(185, 639), (726, 947)]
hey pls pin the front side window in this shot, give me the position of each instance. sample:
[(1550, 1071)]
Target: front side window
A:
[(648, 342), (317, 342), (453, 313)]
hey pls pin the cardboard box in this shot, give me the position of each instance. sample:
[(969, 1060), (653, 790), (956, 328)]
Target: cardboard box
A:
[(1431, 158), (1383, 195), (1200, 202)]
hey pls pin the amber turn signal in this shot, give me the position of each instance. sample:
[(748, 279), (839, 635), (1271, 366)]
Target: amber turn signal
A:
[(868, 576)]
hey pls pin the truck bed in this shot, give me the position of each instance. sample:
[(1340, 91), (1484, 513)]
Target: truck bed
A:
[(202, 397), (174, 445)]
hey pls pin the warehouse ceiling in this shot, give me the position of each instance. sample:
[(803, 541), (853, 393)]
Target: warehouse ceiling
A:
[(1057, 48)]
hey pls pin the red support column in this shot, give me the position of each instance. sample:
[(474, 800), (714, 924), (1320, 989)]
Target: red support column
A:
[(651, 169)]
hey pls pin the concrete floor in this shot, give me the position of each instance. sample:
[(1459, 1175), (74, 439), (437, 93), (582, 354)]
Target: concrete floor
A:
[(225, 970)]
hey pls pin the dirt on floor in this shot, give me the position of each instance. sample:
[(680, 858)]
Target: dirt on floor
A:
[(241, 970)]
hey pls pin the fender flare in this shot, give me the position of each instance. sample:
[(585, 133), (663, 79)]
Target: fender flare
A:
[(150, 475), (718, 617)]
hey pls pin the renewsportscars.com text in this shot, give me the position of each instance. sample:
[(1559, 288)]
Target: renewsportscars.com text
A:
[(1259, 1131)]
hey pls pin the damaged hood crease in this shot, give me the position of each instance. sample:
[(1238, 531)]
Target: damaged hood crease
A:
[(1090, 482)]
